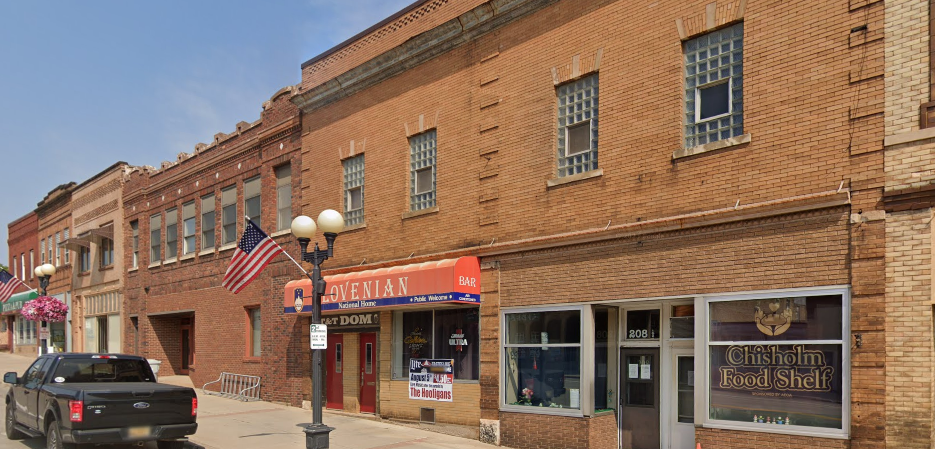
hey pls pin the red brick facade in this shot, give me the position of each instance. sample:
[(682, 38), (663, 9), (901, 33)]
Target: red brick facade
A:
[(23, 245), (170, 296)]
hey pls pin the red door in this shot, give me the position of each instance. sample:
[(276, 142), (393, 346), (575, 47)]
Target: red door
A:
[(368, 373), (334, 380)]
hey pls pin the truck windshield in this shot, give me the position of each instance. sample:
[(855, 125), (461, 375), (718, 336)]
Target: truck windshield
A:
[(102, 370)]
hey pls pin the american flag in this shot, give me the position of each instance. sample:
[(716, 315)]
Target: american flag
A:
[(252, 255), (8, 284)]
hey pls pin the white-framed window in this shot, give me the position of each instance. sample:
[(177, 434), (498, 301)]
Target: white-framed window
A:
[(354, 190), (32, 264), (254, 328), (207, 222), (65, 249), (251, 200), (779, 362), (41, 251), (155, 238), (15, 269), (172, 233), (188, 228), (438, 334), (58, 249), (135, 244), (24, 331), (22, 264), (229, 215), (49, 245), (422, 151), (283, 197), (107, 252), (542, 360), (577, 126), (714, 86), (84, 259)]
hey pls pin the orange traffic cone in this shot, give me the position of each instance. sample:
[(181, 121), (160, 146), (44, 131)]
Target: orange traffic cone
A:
[(698, 446)]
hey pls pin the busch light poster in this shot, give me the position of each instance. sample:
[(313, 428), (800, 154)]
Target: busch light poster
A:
[(431, 379)]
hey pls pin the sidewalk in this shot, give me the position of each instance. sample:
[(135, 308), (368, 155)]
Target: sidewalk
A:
[(230, 424)]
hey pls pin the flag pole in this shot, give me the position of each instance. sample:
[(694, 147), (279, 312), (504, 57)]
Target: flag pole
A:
[(286, 253)]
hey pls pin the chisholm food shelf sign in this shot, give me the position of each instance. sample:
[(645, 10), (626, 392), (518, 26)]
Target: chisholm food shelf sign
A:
[(443, 281), (775, 368)]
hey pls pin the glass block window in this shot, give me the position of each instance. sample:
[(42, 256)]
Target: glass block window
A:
[(422, 149), (354, 190), (577, 126), (714, 86)]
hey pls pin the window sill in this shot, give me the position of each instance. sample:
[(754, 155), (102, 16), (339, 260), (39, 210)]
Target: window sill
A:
[(419, 213), (282, 232), (132, 270), (154, 264), (169, 261), (206, 252), (573, 178), (188, 256), (227, 247), (355, 227), (109, 267), (84, 274), (779, 429), (713, 146), (253, 359), (541, 410)]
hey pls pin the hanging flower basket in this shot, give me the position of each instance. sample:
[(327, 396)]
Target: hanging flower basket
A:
[(45, 308)]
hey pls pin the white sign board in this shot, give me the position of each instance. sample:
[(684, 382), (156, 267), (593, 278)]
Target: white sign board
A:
[(318, 336), (44, 333)]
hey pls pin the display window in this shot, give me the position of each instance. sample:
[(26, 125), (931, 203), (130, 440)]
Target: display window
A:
[(779, 360), (542, 358), (438, 334)]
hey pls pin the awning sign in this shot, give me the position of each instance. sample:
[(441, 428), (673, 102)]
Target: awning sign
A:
[(431, 379), (15, 303), (443, 281)]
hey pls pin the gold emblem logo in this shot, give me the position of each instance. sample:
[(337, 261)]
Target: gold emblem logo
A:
[(773, 323), (299, 303)]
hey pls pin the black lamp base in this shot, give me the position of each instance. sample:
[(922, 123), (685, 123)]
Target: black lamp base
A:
[(317, 436)]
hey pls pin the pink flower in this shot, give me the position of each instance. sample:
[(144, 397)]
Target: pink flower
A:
[(45, 308)]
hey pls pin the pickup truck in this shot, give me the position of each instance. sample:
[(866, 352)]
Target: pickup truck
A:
[(75, 399)]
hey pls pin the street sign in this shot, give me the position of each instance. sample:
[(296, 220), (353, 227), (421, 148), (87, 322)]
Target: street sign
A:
[(318, 336)]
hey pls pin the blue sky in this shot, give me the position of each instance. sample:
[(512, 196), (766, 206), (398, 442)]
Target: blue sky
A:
[(86, 84)]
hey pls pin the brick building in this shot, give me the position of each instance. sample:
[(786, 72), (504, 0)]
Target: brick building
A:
[(54, 228), (17, 334), (909, 195), (181, 224), (97, 284), (705, 263)]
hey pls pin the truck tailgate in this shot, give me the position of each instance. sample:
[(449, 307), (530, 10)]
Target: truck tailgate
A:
[(119, 404)]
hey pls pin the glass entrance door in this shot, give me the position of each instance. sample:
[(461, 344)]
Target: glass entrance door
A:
[(639, 398), (682, 408)]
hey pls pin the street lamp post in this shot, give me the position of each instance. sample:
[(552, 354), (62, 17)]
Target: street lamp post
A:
[(44, 272), (303, 228)]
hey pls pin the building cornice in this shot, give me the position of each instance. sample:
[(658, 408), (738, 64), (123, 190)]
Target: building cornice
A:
[(418, 50)]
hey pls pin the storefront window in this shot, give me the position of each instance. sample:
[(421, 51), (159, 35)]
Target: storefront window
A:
[(543, 359), (439, 334), (25, 331), (778, 361), (605, 361)]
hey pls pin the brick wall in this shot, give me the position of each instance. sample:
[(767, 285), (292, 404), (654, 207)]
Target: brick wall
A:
[(907, 63), (731, 439), (525, 430), (909, 363)]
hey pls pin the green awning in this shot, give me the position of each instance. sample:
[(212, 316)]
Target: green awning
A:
[(16, 302)]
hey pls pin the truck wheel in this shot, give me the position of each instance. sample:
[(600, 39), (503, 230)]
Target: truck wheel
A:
[(53, 438), (10, 421), (170, 444)]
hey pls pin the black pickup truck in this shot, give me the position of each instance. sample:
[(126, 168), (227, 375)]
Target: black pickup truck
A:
[(77, 399)]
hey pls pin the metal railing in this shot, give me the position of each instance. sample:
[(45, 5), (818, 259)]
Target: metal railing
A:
[(236, 386)]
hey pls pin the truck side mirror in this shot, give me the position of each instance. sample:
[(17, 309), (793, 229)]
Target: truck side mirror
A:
[(10, 378)]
